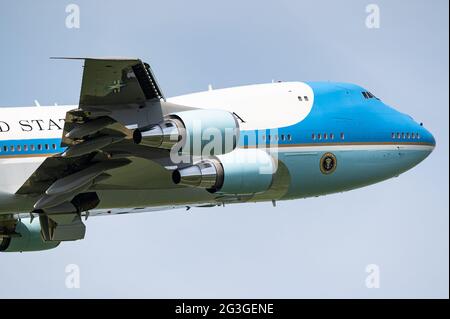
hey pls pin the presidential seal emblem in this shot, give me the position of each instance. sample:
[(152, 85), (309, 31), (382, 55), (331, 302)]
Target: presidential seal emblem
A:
[(328, 163)]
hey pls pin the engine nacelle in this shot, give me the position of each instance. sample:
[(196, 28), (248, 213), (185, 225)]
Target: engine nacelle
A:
[(243, 171), (29, 239), (196, 132)]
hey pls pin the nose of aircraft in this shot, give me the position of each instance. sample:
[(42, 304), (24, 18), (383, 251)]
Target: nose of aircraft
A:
[(418, 144), (427, 137), (428, 140), (426, 143)]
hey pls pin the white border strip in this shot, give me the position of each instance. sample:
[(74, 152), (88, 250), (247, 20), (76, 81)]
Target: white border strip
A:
[(355, 147)]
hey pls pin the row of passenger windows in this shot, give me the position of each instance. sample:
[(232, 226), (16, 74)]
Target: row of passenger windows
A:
[(269, 137), (304, 98), (26, 148), (331, 136), (314, 136), (326, 136), (277, 137), (405, 135)]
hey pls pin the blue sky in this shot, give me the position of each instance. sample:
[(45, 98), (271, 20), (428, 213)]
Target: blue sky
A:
[(304, 248)]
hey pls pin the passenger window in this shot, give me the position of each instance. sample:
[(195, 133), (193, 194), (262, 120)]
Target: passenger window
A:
[(313, 136), (332, 136), (306, 98), (300, 98), (342, 136), (289, 137), (39, 147), (325, 136)]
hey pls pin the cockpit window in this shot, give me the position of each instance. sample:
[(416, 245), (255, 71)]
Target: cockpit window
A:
[(368, 95)]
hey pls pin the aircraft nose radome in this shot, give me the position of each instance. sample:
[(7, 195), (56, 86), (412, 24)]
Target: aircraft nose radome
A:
[(432, 140), (428, 138)]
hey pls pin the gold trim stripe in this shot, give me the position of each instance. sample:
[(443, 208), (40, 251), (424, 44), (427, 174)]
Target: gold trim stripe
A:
[(27, 155)]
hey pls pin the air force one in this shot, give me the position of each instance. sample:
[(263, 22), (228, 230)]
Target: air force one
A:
[(125, 148)]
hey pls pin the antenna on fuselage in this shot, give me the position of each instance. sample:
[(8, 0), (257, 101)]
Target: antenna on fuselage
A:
[(36, 102)]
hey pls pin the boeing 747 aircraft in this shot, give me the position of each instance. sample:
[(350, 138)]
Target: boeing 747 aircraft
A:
[(125, 148)]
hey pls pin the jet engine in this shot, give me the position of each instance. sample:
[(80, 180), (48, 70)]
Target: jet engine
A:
[(195, 132), (27, 237), (243, 171)]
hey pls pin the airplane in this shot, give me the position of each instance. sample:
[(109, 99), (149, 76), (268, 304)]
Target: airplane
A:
[(126, 148)]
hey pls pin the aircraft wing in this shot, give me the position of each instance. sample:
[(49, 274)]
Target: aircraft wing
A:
[(117, 94), (113, 81), (110, 85)]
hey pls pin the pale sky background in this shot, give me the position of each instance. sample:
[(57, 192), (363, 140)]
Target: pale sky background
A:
[(316, 247)]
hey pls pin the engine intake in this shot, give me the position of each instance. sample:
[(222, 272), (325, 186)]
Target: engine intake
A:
[(196, 132), (205, 174), (28, 238), (243, 171), (164, 135)]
